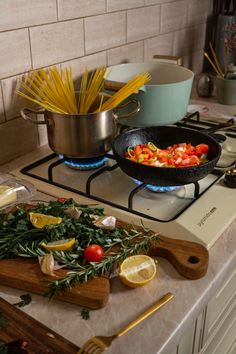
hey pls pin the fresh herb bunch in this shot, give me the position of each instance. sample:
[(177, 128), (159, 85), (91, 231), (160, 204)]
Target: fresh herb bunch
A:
[(18, 237)]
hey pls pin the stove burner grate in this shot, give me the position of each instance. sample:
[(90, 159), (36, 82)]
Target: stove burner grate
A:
[(84, 164)]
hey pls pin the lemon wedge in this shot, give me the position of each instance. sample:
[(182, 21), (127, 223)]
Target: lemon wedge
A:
[(137, 270), (41, 220), (60, 245)]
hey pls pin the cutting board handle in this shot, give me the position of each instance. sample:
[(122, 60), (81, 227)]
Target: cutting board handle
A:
[(189, 258)]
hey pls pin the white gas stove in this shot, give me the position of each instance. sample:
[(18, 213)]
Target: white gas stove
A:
[(198, 212)]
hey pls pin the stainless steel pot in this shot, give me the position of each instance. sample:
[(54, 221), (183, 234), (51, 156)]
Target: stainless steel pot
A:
[(81, 135)]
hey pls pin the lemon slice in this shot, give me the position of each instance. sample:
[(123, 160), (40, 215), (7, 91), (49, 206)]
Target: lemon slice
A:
[(60, 245), (137, 270), (41, 220)]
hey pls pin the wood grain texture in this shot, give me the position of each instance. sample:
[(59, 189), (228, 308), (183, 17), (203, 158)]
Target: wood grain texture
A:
[(40, 339), (25, 274), (189, 258)]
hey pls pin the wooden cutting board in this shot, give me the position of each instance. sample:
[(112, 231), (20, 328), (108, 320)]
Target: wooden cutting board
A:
[(189, 258), (19, 327)]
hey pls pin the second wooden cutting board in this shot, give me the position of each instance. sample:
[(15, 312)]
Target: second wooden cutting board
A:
[(189, 258)]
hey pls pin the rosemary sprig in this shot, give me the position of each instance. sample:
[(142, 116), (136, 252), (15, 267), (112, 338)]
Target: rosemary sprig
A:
[(101, 268), (18, 237)]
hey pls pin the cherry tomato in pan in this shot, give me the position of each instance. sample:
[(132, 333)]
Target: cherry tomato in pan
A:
[(93, 253), (202, 149)]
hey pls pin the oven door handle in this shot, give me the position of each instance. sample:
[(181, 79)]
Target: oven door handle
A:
[(25, 114)]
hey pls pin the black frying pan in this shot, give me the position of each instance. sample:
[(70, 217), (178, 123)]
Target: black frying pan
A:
[(162, 137)]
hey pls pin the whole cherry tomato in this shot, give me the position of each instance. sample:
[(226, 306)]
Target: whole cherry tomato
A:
[(93, 253), (62, 200)]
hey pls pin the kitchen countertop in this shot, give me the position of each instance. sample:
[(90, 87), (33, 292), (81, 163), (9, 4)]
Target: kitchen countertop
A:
[(161, 332)]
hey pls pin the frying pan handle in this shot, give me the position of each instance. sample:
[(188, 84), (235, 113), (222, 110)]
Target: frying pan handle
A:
[(25, 111), (189, 258), (126, 115), (225, 125)]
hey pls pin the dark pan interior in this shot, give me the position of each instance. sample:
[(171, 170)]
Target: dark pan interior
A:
[(162, 137)]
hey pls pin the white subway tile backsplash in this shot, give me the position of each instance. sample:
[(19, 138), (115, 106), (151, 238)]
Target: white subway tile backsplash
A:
[(198, 11), (104, 31), (13, 102), (194, 61), (153, 2), (160, 45), (189, 40), (114, 5), (130, 53), (143, 23), (68, 9), (87, 33), (173, 16), (17, 138), (90, 62), (15, 52), (56, 42), (22, 13)]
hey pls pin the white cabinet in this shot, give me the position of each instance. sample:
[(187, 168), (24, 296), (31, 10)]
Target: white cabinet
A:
[(220, 321), (214, 331), (189, 344)]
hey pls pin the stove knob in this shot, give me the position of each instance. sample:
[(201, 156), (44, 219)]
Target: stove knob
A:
[(230, 178)]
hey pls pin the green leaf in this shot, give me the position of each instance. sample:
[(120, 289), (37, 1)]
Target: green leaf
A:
[(85, 314), (25, 300)]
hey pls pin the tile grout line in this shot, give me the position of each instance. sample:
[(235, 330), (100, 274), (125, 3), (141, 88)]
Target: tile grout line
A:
[(3, 103), (30, 48)]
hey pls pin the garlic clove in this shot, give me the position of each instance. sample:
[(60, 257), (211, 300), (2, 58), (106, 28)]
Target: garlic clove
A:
[(73, 212), (47, 264), (107, 222)]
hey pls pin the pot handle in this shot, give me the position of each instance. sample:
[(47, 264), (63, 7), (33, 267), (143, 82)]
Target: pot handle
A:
[(24, 114), (126, 115)]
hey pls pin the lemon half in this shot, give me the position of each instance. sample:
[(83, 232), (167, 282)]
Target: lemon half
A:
[(137, 270), (40, 220), (60, 245)]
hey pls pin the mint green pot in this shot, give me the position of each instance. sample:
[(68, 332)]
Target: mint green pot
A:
[(164, 100)]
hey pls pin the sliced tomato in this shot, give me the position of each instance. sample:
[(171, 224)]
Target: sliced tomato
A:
[(138, 150), (194, 161), (178, 155)]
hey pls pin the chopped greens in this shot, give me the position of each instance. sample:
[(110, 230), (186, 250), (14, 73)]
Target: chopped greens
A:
[(85, 314), (25, 300), (18, 237)]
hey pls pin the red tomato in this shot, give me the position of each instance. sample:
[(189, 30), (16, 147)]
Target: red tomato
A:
[(201, 149), (62, 200), (138, 150), (194, 160), (93, 253)]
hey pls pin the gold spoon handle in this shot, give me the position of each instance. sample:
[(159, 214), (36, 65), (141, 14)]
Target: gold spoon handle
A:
[(162, 301)]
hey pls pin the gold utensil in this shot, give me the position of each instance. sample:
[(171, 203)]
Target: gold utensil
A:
[(99, 344)]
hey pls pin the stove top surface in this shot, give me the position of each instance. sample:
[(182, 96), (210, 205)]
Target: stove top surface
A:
[(198, 212)]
